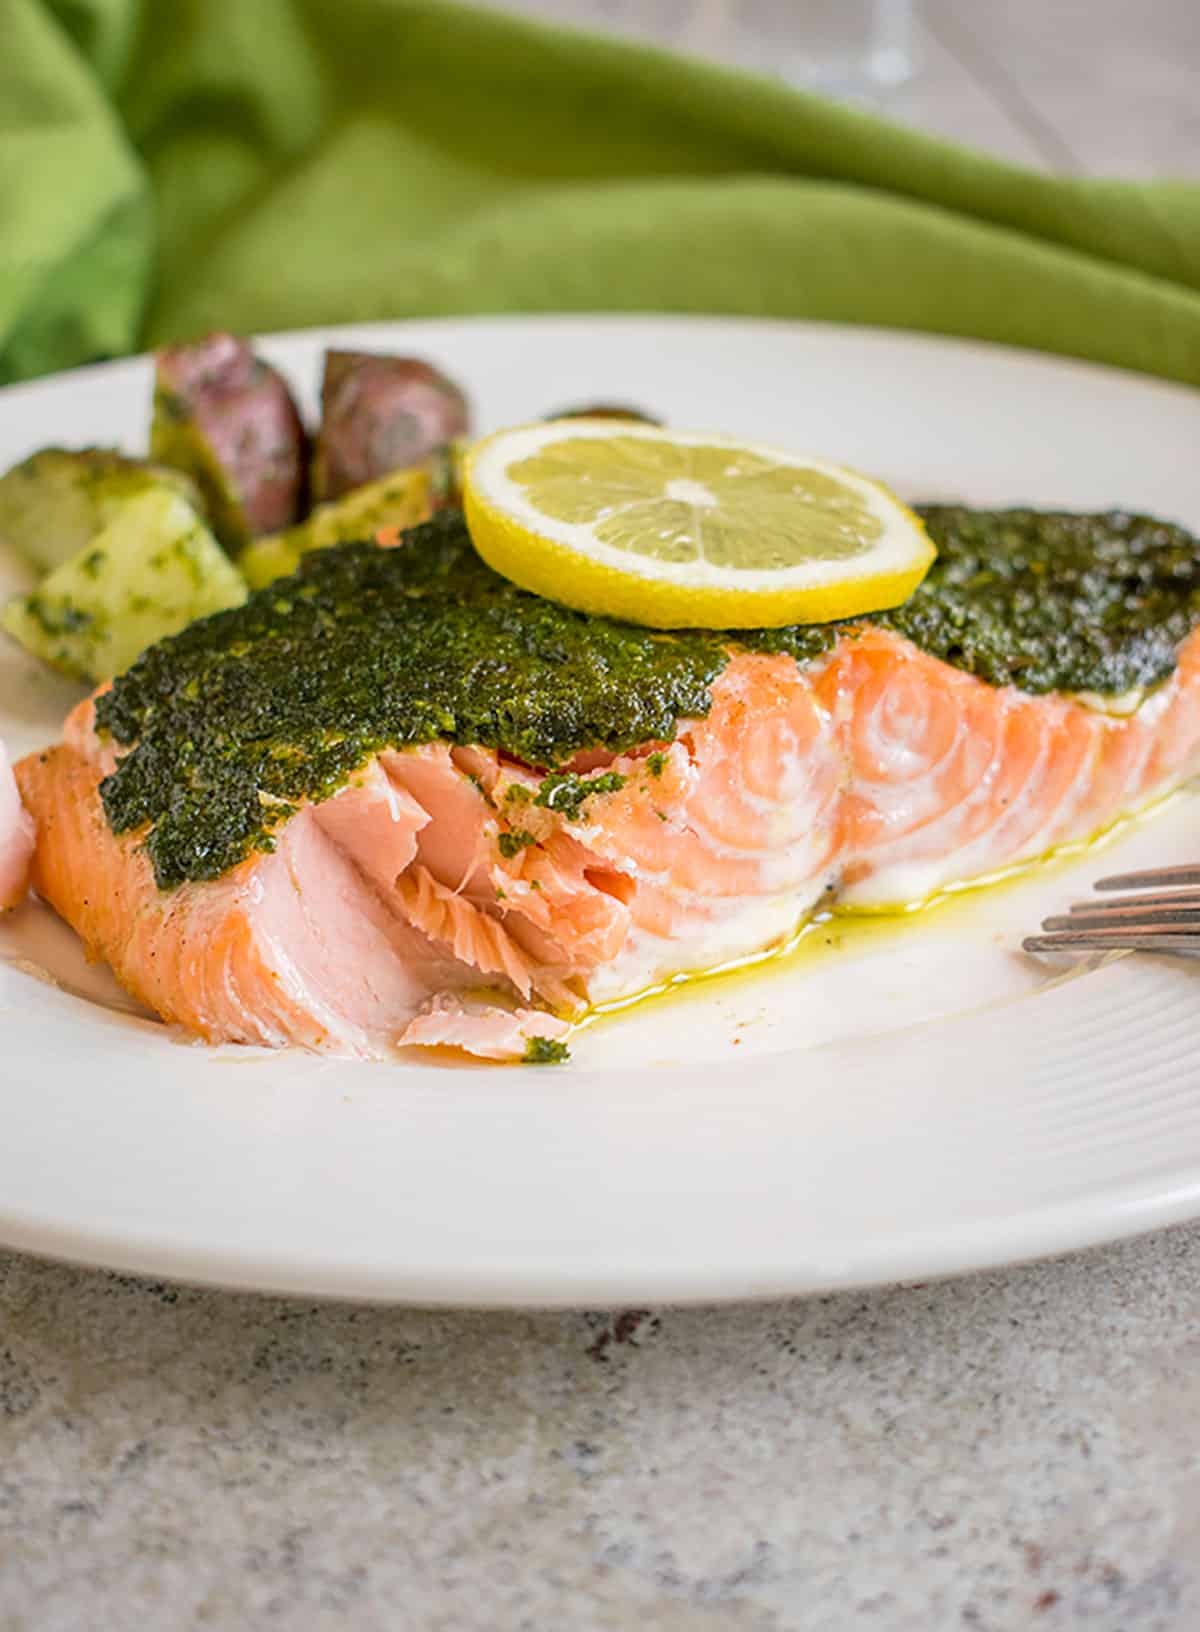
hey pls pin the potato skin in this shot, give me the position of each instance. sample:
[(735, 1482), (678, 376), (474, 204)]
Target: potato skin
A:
[(380, 414), (228, 419)]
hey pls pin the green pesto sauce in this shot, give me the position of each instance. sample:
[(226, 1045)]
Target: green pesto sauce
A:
[(1055, 602), (57, 617), (545, 1051), (362, 648), (565, 791), (1045, 600), (511, 844), (235, 721)]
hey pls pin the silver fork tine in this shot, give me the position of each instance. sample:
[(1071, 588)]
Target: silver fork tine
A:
[(1152, 898), (1118, 932), (1113, 940), (1128, 917), (1150, 878), (1164, 918)]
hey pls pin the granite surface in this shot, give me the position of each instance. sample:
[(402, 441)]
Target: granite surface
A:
[(1011, 1451)]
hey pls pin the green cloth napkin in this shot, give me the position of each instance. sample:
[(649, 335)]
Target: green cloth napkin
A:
[(169, 166)]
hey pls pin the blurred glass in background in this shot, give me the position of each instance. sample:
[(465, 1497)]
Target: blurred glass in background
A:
[(852, 48)]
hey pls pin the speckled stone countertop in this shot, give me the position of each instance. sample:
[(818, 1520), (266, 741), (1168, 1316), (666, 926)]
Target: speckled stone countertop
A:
[(1013, 1451)]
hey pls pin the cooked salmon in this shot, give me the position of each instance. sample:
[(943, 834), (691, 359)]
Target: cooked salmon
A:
[(16, 838), (432, 901)]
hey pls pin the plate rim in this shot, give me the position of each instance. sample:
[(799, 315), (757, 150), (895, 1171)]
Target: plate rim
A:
[(1059, 1230)]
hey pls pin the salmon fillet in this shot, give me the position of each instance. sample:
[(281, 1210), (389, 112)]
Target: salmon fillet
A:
[(16, 838), (432, 901)]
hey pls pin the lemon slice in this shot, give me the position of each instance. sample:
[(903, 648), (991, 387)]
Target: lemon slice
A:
[(687, 531)]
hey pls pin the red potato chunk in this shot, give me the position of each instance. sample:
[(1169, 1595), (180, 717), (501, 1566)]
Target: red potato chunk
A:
[(228, 419), (380, 414)]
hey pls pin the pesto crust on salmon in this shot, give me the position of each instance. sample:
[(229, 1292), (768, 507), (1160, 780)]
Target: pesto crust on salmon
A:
[(394, 800)]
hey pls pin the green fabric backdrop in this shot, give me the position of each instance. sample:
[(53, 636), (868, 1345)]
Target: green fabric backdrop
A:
[(168, 166)]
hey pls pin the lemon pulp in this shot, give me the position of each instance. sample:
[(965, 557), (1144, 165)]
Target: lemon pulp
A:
[(678, 530)]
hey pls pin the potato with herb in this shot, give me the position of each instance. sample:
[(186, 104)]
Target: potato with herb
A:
[(397, 501), (228, 420), (148, 571), (53, 503), (380, 414)]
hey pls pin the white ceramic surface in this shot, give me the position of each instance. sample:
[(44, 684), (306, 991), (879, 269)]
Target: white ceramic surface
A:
[(906, 1102)]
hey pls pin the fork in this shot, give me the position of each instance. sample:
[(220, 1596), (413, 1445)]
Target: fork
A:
[(1161, 914)]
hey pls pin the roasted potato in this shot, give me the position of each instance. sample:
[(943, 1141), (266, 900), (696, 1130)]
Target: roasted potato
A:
[(381, 414), (53, 503), (148, 571), (397, 501), (227, 419)]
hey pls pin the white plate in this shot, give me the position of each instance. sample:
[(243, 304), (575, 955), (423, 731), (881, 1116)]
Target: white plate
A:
[(916, 1101)]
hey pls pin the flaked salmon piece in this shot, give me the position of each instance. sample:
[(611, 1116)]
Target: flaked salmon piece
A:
[(293, 946), (16, 838), (454, 846), (375, 822), (875, 774), (476, 937), (482, 1029), (561, 889)]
